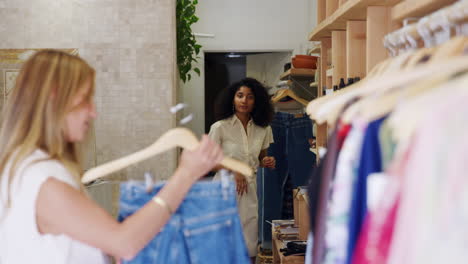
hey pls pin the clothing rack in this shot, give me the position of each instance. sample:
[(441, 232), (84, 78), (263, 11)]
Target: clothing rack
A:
[(444, 20)]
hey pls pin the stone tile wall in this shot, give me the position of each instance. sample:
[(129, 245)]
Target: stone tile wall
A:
[(131, 44)]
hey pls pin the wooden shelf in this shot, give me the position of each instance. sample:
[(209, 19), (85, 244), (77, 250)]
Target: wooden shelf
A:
[(411, 8), (315, 49), (296, 72), (350, 10)]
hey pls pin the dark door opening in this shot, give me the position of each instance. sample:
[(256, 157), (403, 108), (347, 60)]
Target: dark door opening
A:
[(221, 69)]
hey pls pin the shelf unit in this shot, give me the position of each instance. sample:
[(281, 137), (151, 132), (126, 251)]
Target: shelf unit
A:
[(347, 10), (297, 72), (315, 49), (417, 8), (351, 34)]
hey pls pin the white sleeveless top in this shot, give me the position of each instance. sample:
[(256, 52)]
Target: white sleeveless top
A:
[(20, 240)]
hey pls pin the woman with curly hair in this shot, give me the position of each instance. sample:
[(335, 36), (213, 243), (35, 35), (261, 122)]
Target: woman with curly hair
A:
[(244, 113)]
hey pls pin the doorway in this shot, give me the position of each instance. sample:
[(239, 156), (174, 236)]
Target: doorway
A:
[(224, 68)]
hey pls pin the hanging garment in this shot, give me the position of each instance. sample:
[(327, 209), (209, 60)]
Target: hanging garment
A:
[(244, 146), (370, 162), (387, 144), (339, 205), (431, 225), (310, 245), (318, 196), (320, 184), (206, 227), (294, 161), (376, 236), (319, 190)]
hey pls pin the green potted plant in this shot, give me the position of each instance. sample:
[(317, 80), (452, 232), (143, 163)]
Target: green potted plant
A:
[(187, 47)]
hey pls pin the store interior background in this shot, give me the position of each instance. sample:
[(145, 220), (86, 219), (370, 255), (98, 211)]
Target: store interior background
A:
[(132, 46)]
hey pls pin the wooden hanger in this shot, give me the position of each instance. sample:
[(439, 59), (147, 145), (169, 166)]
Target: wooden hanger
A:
[(451, 48), (398, 79), (176, 137), (394, 65), (382, 104), (315, 106), (404, 121), (374, 108), (288, 92), (421, 54), (399, 63), (378, 108)]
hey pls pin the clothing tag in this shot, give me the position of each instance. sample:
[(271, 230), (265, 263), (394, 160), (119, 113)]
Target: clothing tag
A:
[(225, 181), (149, 182), (176, 108), (186, 119), (299, 115)]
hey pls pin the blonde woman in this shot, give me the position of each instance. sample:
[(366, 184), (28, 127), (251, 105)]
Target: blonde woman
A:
[(44, 215)]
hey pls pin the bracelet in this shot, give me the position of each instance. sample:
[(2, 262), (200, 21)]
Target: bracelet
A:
[(163, 203)]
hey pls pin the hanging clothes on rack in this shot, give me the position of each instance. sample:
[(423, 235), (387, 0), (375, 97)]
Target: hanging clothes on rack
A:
[(292, 133), (319, 189), (205, 228), (395, 169), (362, 224), (340, 201)]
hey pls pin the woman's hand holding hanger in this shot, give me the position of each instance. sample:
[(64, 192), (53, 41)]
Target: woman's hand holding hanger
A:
[(201, 160)]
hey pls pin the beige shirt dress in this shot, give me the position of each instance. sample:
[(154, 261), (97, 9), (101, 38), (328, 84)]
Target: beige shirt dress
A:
[(246, 147)]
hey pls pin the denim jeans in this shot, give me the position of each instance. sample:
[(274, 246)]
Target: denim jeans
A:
[(205, 228), (294, 159)]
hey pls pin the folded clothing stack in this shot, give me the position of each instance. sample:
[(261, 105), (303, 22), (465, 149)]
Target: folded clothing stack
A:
[(297, 248)]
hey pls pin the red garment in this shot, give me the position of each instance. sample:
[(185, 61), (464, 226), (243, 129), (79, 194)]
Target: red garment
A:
[(342, 133)]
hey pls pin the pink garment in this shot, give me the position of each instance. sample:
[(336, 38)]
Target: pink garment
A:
[(376, 237), (431, 223)]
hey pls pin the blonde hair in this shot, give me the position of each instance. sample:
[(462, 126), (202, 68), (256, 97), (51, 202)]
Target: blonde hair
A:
[(33, 120)]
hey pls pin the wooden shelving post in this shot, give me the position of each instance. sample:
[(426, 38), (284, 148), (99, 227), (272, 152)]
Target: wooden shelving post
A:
[(356, 49), (326, 45), (321, 10), (331, 6), (378, 25), (338, 56)]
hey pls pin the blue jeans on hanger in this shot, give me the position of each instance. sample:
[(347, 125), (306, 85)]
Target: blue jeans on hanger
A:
[(205, 228), (294, 159)]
